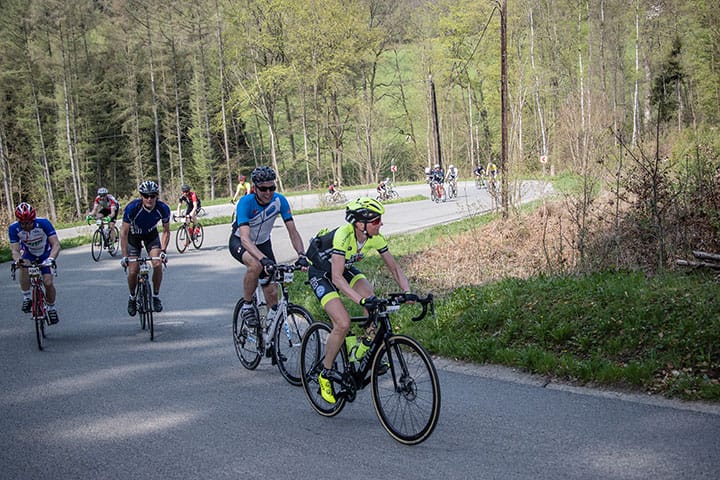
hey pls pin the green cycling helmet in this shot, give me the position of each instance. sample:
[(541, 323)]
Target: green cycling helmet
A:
[(364, 209)]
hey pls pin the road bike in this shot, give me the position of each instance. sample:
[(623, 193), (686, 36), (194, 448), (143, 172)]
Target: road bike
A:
[(452, 189), (480, 182), (405, 385), (335, 197), (187, 233), (144, 292), (104, 237), (388, 193), (279, 330), (39, 307), (437, 192)]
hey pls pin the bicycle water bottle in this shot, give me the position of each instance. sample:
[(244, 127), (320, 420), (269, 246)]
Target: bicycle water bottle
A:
[(261, 306), (364, 344), (351, 344)]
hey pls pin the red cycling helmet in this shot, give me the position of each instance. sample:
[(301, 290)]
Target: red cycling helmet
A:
[(25, 212)]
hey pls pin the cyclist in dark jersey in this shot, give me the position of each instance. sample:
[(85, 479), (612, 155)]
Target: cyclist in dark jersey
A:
[(332, 255), (250, 242), (139, 228), (192, 207)]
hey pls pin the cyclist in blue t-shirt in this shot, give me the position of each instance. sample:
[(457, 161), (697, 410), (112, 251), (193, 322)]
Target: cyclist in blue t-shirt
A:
[(250, 242), (139, 228), (34, 239)]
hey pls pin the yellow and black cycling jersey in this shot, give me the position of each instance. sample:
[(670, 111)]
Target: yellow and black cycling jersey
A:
[(341, 241)]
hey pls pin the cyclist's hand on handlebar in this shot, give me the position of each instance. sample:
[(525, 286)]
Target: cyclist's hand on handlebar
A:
[(163, 257), (268, 264), (411, 297), (124, 262), (303, 262), (48, 262), (370, 302)]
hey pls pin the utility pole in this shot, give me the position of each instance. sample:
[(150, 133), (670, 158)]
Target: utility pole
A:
[(436, 123), (504, 107)]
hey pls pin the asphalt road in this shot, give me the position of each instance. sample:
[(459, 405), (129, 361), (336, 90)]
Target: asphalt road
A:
[(103, 402)]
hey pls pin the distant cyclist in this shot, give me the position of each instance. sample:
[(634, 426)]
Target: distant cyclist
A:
[(139, 228), (105, 205), (332, 270), (250, 242), (192, 207), (243, 188), (491, 170), (34, 239)]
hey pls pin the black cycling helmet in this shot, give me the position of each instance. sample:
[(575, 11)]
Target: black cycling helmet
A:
[(185, 188), (148, 187), (262, 174), (364, 209)]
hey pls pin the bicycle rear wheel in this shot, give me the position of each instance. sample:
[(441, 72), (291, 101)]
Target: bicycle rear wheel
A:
[(312, 354), (180, 238), (407, 394), (97, 245), (197, 239), (288, 340), (112, 246), (246, 339)]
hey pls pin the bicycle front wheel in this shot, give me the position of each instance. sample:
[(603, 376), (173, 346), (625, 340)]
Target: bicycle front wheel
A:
[(197, 239), (113, 244), (246, 339), (143, 303), (288, 340), (312, 354), (97, 245), (180, 238), (39, 313), (406, 390)]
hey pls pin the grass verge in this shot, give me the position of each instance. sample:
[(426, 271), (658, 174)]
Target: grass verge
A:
[(624, 330)]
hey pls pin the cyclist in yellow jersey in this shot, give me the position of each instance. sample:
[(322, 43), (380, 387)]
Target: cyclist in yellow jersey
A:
[(243, 188), (332, 255)]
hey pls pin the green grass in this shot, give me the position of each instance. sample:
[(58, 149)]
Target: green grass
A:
[(658, 334)]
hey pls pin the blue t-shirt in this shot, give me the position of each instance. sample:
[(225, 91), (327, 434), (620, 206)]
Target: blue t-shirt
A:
[(36, 240), (261, 218), (144, 221)]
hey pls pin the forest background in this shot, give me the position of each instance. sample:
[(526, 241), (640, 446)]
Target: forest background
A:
[(624, 95)]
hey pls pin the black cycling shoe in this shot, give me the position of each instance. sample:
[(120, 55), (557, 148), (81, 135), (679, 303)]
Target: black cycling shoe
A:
[(132, 307), (157, 304), (26, 305), (52, 317)]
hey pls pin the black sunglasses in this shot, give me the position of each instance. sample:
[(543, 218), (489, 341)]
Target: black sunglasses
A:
[(148, 195), (271, 188)]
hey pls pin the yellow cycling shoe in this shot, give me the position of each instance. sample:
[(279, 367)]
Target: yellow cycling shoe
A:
[(326, 389)]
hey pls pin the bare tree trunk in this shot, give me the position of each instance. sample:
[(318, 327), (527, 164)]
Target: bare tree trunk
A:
[(66, 101), (206, 118), (221, 65), (178, 127), (636, 104), (5, 173), (538, 106), (156, 121)]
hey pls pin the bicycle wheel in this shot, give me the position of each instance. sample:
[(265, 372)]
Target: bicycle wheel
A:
[(113, 245), (407, 395), (38, 312), (180, 237), (246, 339), (197, 239), (142, 304), (97, 245), (288, 339), (312, 354)]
